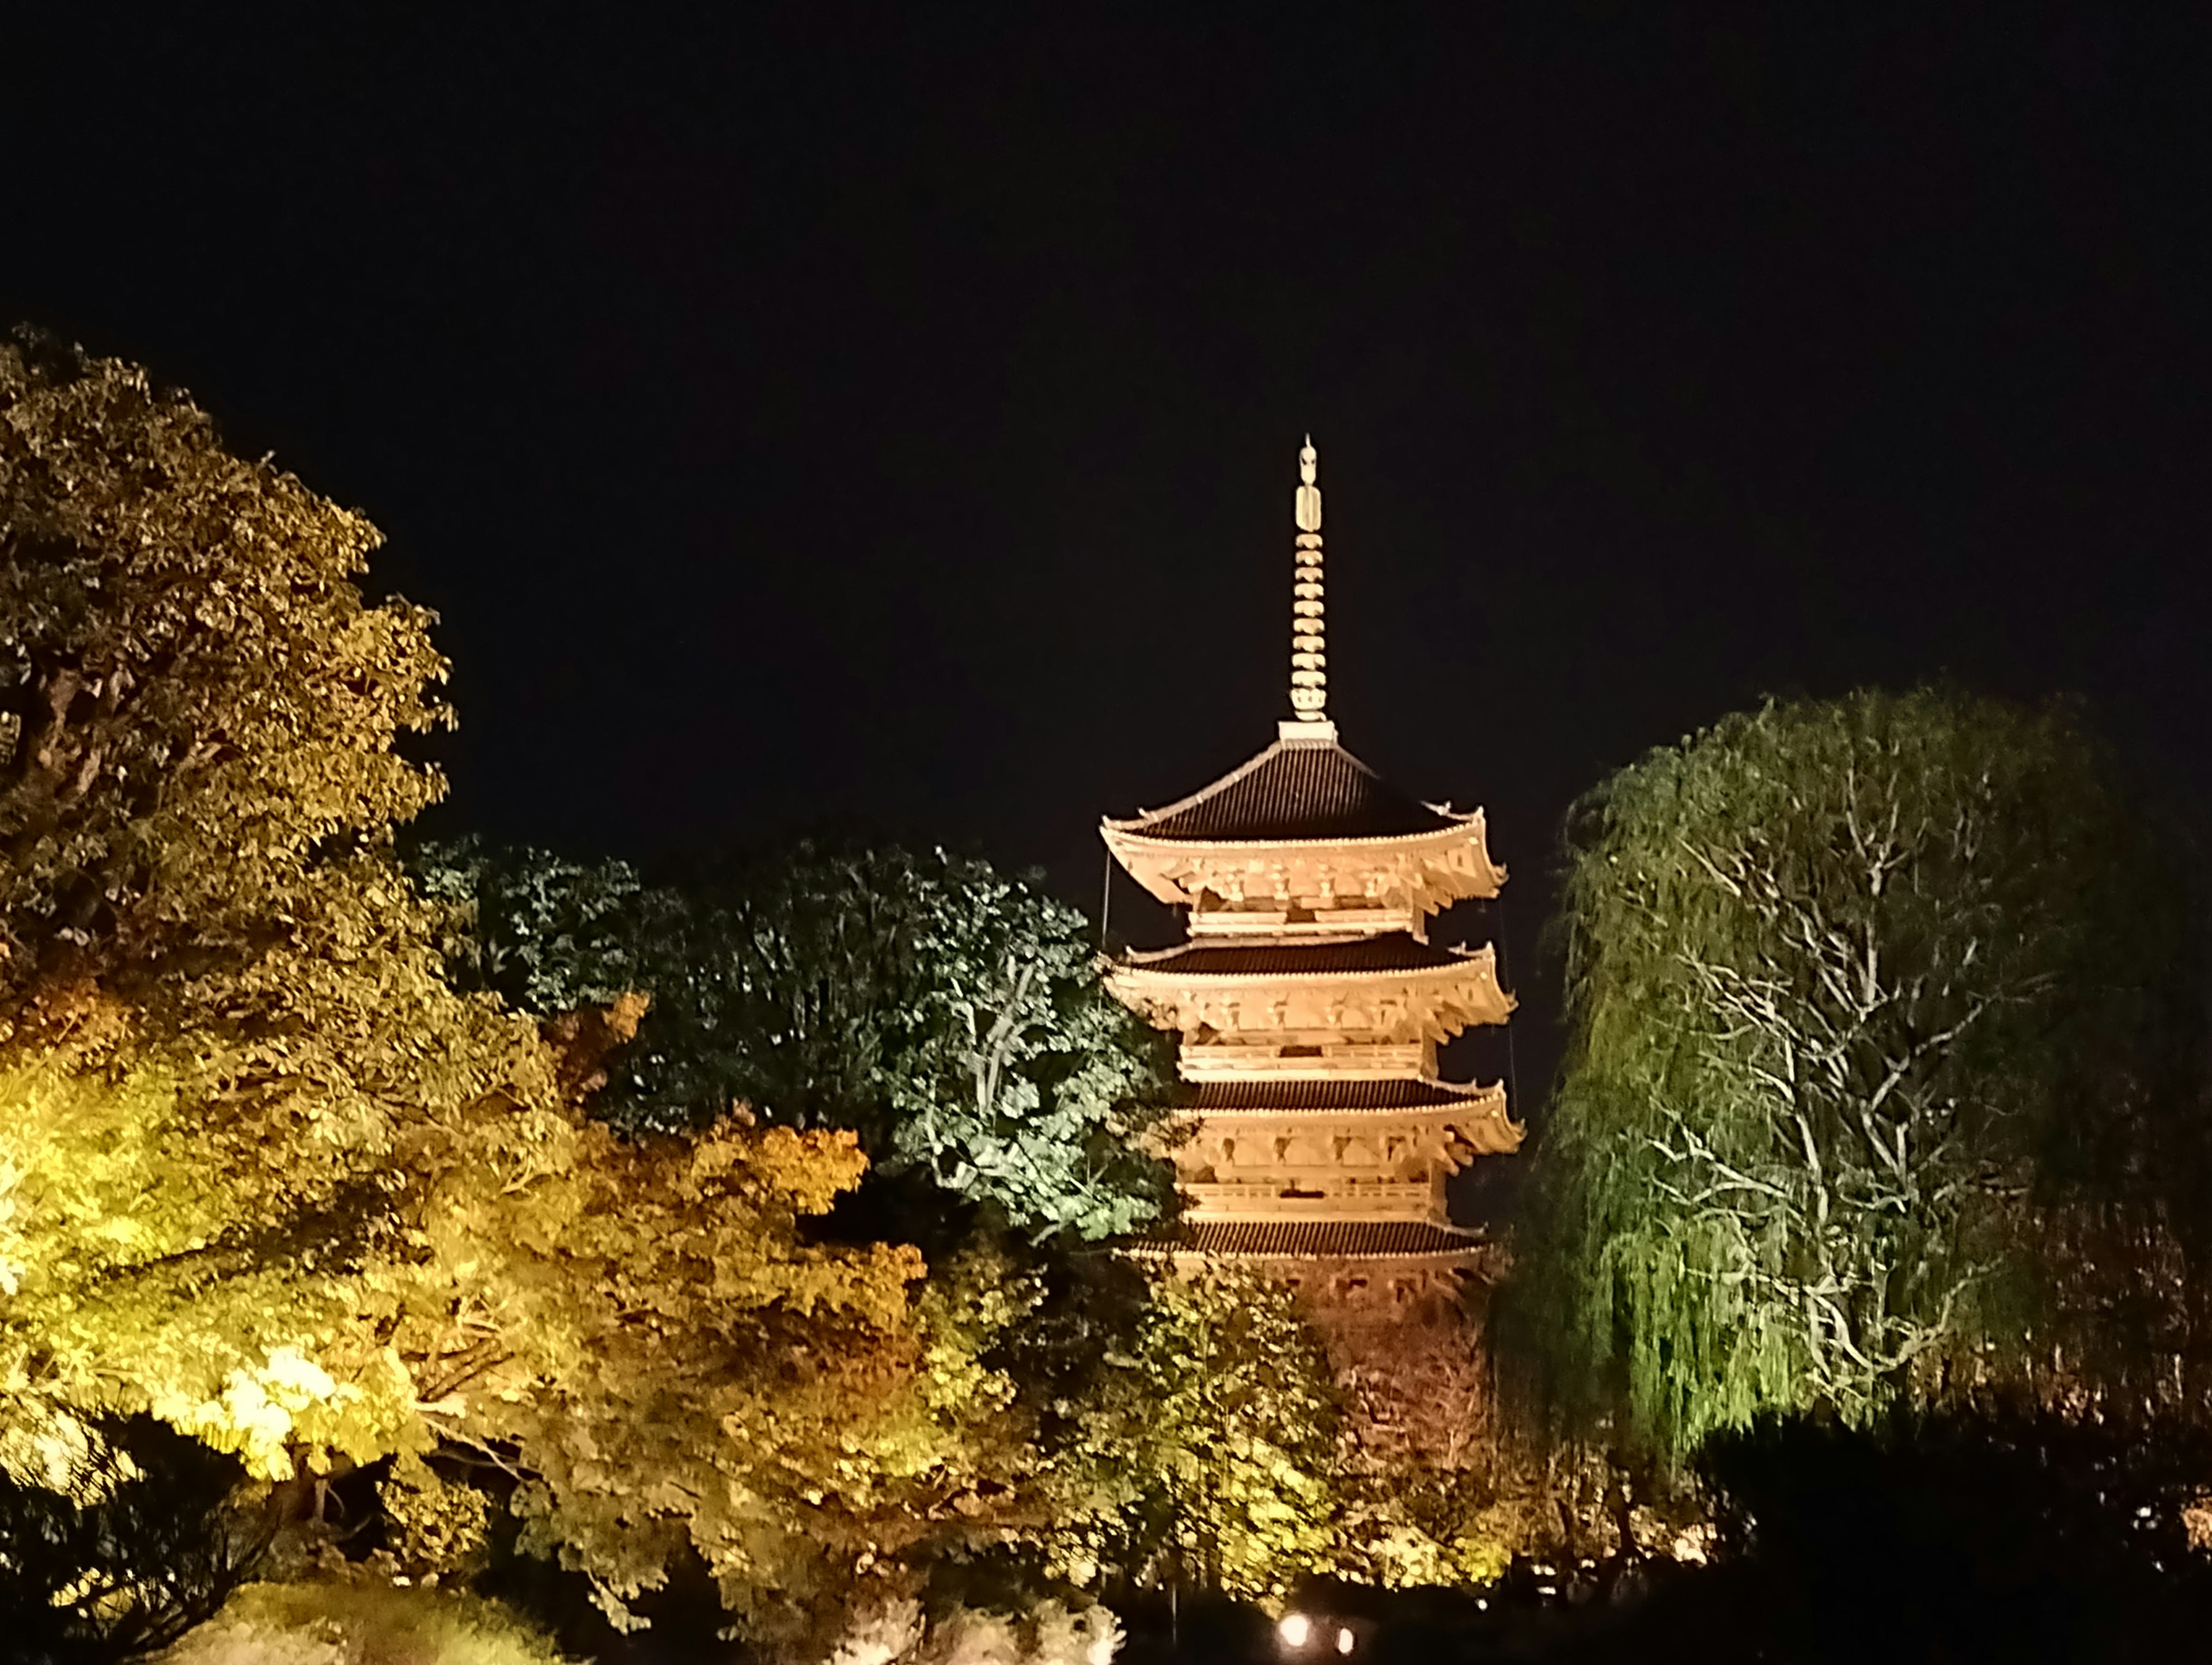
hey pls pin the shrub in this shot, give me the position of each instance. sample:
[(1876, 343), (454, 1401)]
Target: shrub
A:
[(123, 1543), (362, 1624), (1048, 1634)]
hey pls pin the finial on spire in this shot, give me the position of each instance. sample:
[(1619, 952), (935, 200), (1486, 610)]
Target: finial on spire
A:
[(1308, 631)]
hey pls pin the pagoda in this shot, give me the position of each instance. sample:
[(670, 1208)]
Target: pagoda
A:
[(1310, 1002)]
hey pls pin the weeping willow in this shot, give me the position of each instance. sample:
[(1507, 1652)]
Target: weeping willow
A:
[(1882, 1019)]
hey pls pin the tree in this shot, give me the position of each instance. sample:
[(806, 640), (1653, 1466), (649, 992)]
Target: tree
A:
[(137, 1284), (629, 1337), (198, 775), (546, 934), (1875, 1002), (267, 1178), (953, 1016), (221, 1008), (1206, 1451)]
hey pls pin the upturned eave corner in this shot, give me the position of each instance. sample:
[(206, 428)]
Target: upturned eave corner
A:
[(1427, 1005), (1428, 871)]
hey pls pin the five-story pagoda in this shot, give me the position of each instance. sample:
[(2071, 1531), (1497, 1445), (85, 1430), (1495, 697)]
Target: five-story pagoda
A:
[(1311, 1001)]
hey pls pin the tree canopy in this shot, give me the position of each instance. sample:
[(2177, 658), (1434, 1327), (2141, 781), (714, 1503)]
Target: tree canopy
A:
[(953, 1016), (266, 1177), (199, 781), (224, 1010), (1882, 1009), (1207, 1448)]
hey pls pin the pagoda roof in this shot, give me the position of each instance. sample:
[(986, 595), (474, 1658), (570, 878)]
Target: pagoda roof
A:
[(1320, 1239), (1296, 790), (1381, 951), (1215, 1098)]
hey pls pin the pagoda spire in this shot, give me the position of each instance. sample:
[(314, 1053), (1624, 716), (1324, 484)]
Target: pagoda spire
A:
[(1309, 627)]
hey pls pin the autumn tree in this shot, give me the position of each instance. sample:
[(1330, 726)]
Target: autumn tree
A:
[(953, 1016), (1885, 1022), (221, 1005), (199, 714), (630, 1338), (268, 1178)]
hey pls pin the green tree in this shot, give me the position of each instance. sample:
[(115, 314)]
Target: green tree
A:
[(1883, 1012), (953, 1016), (1206, 1452), (548, 934)]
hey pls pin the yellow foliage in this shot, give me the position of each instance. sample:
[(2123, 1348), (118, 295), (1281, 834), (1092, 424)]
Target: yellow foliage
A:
[(137, 1284), (637, 1329), (432, 1529), (223, 1014), (266, 1176), (362, 1624), (198, 783)]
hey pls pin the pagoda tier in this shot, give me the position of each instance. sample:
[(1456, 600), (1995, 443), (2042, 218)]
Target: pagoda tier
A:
[(1372, 1003), (1303, 830), (1310, 1002), (1296, 1153)]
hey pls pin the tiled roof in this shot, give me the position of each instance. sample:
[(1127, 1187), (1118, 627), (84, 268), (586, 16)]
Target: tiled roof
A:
[(1386, 950), (1414, 1095), (1320, 1239), (1295, 789)]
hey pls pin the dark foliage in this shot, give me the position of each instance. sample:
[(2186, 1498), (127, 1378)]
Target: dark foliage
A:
[(1910, 1543), (124, 1577), (2034, 1540)]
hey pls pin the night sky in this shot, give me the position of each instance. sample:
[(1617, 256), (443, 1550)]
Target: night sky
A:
[(837, 420)]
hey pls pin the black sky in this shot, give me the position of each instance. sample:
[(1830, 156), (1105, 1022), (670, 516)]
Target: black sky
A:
[(827, 418)]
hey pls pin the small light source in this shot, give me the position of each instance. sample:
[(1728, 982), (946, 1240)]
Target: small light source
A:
[(1344, 1639), (1294, 1629)]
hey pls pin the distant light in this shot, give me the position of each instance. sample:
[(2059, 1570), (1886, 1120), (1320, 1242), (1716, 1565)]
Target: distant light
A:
[(1295, 1628), (1344, 1639), (1482, 1604)]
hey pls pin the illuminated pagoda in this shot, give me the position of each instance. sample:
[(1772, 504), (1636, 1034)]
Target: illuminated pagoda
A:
[(1310, 1002)]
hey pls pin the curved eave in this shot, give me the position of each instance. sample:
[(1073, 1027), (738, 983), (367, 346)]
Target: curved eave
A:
[(1479, 964), (1480, 1122), (1124, 835), (1132, 828), (1476, 1247), (1440, 1000), (1155, 862), (1204, 1256), (1466, 1095), (1322, 777)]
